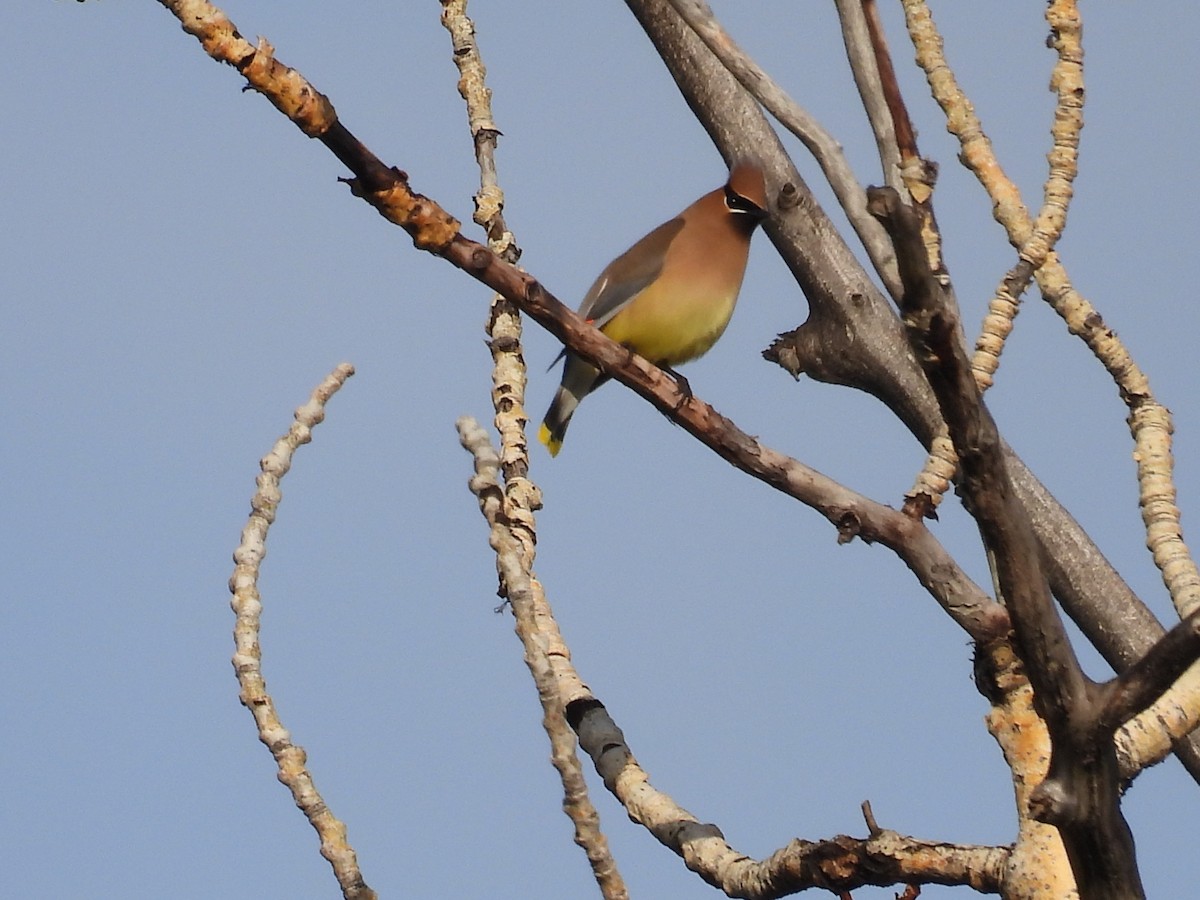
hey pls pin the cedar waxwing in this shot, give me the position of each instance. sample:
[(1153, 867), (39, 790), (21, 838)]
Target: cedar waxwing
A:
[(670, 295)]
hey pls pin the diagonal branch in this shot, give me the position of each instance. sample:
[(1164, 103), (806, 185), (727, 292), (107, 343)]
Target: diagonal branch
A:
[(1146, 681), (546, 652), (433, 229)]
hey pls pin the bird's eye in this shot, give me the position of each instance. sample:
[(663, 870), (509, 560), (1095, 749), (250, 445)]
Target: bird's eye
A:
[(736, 203)]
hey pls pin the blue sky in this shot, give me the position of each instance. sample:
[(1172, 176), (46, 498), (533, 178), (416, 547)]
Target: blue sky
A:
[(181, 267)]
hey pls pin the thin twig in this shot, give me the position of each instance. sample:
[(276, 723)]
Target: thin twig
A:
[(864, 66), (247, 657), (472, 86), (513, 525), (1067, 83)]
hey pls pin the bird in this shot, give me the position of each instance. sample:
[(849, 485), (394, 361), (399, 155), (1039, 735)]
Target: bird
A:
[(670, 296)]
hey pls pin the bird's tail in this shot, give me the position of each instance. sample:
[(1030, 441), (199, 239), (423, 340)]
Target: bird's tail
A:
[(579, 379), (558, 417)]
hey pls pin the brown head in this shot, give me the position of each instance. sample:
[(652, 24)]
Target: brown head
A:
[(746, 193)]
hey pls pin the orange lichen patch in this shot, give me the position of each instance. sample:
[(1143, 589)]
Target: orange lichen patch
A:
[(289, 91), (431, 227)]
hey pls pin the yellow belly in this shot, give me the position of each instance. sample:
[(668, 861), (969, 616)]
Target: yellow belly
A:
[(669, 330)]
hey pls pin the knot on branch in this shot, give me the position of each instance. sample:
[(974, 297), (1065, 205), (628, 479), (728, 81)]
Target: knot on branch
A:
[(849, 526), (919, 505), (1052, 803), (785, 353)]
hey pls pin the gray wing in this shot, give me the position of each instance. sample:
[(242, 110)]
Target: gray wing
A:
[(628, 275)]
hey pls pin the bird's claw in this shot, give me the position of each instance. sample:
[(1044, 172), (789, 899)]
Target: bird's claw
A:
[(681, 382)]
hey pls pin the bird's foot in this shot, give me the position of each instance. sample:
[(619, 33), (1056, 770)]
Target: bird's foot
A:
[(681, 382)]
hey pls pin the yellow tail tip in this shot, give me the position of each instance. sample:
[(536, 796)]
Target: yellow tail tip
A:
[(546, 438)]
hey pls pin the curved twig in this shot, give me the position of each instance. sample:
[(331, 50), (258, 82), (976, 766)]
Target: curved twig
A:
[(546, 653), (247, 657)]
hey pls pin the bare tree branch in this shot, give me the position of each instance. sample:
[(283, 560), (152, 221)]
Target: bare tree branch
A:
[(1081, 793), (1047, 227), (1154, 674), (841, 863), (1038, 865), (546, 653)]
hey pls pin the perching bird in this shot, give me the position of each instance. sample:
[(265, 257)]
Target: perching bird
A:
[(670, 295)]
